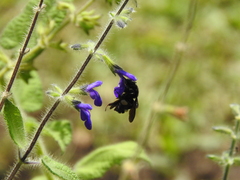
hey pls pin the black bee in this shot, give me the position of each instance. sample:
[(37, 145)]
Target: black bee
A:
[(127, 100)]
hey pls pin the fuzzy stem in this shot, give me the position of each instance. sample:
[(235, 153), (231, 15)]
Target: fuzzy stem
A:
[(14, 170), (68, 88), (232, 147), (22, 52)]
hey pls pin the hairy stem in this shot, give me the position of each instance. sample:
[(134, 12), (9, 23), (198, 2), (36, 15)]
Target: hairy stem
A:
[(22, 52), (231, 151), (68, 88)]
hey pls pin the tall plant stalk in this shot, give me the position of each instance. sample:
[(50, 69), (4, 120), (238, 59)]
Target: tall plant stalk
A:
[(232, 148)]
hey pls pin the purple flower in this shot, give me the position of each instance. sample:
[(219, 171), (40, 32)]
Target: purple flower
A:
[(84, 110), (93, 93), (122, 85)]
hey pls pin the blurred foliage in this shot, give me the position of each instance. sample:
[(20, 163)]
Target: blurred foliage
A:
[(206, 83)]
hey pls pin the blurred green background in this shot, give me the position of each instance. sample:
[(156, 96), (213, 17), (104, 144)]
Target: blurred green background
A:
[(206, 82)]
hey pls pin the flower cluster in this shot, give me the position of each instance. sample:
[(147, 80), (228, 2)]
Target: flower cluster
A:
[(126, 93), (93, 93), (83, 108)]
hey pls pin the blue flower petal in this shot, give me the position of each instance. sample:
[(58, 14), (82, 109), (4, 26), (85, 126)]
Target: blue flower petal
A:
[(93, 85), (85, 114), (88, 124), (83, 106), (95, 95), (98, 101), (121, 72), (120, 88)]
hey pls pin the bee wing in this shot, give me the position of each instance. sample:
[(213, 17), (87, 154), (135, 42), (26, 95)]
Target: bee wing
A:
[(132, 111)]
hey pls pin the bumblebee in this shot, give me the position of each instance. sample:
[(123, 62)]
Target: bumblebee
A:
[(128, 100)]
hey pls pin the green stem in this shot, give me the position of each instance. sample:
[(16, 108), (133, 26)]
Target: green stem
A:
[(232, 148), (15, 170)]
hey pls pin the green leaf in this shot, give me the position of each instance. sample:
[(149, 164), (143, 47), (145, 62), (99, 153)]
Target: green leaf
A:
[(31, 125), (40, 178), (235, 108), (60, 170), (111, 1), (224, 130), (87, 20), (14, 122), (99, 161), (14, 32), (3, 59), (215, 158), (61, 131), (236, 161), (29, 95)]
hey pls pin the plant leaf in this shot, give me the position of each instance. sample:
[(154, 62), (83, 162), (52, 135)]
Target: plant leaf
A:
[(60, 170), (14, 32), (235, 108), (29, 95), (99, 161), (236, 161), (215, 158), (224, 130), (40, 178), (14, 122), (111, 1), (61, 131)]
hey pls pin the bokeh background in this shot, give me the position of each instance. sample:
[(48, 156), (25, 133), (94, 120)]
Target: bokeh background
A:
[(206, 83)]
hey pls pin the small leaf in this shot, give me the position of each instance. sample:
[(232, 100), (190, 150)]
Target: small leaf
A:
[(236, 161), (40, 178), (61, 131), (99, 161), (14, 122), (224, 130), (13, 33), (216, 158), (58, 169), (31, 125), (87, 20), (29, 95), (235, 108), (111, 1)]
